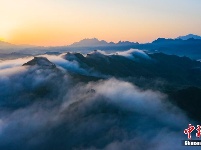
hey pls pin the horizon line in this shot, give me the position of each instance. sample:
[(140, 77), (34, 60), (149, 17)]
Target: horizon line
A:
[(2, 40)]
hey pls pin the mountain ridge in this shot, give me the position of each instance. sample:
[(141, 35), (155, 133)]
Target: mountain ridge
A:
[(96, 42), (189, 36), (190, 47)]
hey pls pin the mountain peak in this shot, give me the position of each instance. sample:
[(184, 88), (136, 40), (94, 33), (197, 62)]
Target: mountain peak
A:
[(189, 36), (90, 42), (40, 61)]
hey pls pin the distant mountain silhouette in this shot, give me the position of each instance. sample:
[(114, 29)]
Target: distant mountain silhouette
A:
[(97, 43), (90, 42), (10, 45), (6, 44), (190, 47), (8, 48), (13, 55), (189, 36)]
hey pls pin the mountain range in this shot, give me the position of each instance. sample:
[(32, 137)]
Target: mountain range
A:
[(189, 45), (178, 77), (94, 42), (97, 43)]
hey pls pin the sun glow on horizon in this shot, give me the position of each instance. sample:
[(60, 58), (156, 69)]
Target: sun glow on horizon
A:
[(55, 23), (2, 39)]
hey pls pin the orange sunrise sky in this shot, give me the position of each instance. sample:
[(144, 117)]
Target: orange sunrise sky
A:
[(62, 22)]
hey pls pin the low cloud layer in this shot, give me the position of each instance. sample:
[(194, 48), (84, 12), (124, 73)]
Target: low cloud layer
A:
[(45, 108), (13, 63), (74, 66), (134, 54)]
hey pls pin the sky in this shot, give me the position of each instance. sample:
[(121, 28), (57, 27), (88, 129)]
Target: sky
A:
[(62, 22)]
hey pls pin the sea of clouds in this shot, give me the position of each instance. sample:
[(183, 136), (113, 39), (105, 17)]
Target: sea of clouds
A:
[(47, 108)]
